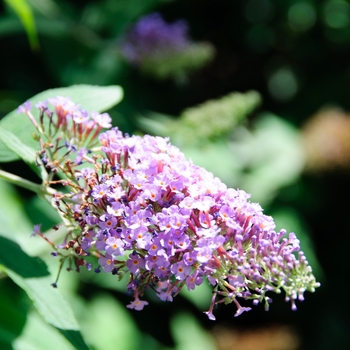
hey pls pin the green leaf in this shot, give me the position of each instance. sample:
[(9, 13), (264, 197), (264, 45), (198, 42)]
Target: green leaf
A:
[(109, 318), (29, 339), (14, 304), (268, 166), (32, 275), (25, 14), (14, 222), (14, 144), (16, 225), (200, 296), (91, 98), (188, 333), (39, 210), (15, 259)]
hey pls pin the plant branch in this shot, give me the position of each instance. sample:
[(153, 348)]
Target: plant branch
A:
[(19, 181)]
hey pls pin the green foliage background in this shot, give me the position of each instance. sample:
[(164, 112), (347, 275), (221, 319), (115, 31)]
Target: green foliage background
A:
[(276, 63)]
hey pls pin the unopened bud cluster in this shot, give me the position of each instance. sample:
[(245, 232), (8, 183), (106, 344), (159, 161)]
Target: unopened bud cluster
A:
[(141, 208)]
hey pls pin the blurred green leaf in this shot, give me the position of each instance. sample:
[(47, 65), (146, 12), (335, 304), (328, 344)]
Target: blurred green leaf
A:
[(213, 120), (13, 308), (272, 157), (14, 222), (25, 14), (38, 335), (178, 64), (91, 98), (188, 334), (16, 225), (32, 276), (108, 325), (212, 156), (23, 265), (39, 210), (26, 270), (200, 296), (48, 8)]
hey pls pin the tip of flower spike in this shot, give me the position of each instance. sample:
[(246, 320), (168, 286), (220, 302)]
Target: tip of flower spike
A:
[(54, 285)]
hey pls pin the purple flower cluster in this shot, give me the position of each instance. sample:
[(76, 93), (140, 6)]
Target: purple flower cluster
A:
[(152, 36), (171, 224), (141, 208)]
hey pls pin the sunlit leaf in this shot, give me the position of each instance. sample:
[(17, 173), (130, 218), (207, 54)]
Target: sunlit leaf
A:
[(29, 339)]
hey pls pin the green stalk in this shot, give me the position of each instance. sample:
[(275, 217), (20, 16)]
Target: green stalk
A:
[(19, 181)]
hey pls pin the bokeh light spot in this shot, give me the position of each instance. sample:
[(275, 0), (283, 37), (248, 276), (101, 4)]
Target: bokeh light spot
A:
[(301, 16), (282, 84), (337, 14)]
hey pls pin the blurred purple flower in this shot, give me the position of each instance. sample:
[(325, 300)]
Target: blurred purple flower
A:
[(152, 36)]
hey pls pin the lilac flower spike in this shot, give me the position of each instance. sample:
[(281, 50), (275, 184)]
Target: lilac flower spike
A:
[(141, 208)]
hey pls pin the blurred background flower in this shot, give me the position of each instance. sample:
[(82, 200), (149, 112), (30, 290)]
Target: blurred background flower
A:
[(164, 50), (326, 136)]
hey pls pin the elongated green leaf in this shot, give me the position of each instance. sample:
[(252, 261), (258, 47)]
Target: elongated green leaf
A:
[(32, 276), (91, 98), (25, 14), (14, 144), (29, 339)]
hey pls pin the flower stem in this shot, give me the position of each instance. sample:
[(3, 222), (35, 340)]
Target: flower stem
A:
[(19, 181)]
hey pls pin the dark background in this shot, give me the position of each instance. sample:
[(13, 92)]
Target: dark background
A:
[(253, 40)]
